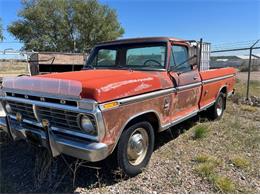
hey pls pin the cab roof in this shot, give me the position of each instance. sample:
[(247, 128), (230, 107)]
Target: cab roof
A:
[(139, 40)]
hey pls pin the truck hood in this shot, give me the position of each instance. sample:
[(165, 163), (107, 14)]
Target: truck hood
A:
[(99, 85)]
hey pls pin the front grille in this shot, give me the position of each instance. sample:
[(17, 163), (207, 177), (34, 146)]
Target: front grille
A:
[(59, 118), (62, 119), (25, 109)]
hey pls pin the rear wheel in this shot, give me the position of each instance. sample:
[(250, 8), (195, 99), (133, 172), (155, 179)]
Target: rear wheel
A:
[(217, 110), (135, 148)]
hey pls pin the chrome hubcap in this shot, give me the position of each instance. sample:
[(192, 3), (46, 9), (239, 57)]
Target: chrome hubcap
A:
[(219, 106), (137, 146)]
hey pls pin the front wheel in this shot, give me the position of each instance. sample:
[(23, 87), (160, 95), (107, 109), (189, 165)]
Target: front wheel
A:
[(217, 110), (135, 148)]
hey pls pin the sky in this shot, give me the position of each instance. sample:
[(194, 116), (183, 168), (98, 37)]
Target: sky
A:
[(216, 21)]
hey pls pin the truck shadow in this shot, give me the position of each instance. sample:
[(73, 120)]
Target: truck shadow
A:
[(26, 169)]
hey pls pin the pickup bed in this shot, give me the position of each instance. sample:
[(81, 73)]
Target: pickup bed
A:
[(127, 92)]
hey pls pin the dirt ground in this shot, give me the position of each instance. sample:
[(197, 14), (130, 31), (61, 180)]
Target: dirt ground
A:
[(253, 76), (13, 68)]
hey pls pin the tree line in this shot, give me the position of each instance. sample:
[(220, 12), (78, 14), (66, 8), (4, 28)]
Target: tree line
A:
[(64, 25)]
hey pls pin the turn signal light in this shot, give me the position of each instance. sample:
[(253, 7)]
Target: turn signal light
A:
[(110, 105)]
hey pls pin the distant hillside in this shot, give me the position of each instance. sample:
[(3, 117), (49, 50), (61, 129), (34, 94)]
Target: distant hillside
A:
[(216, 58), (233, 61)]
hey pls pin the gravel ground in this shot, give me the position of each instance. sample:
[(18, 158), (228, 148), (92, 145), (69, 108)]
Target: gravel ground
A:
[(253, 75), (172, 169)]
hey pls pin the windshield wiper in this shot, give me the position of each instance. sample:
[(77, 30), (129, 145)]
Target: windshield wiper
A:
[(192, 57), (124, 67), (87, 67)]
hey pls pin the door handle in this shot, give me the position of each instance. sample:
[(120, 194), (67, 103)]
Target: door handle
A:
[(195, 78)]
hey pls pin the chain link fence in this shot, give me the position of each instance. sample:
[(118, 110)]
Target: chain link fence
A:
[(245, 57)]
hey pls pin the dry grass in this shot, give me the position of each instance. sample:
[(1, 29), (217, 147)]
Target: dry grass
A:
[(204, 158), (255, 75), (206, 168), (241, 87), (224, 184), (240, 162), (248, 108), (13, 68)]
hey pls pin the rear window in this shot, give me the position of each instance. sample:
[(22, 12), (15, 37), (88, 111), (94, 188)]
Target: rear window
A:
[(146, 55)]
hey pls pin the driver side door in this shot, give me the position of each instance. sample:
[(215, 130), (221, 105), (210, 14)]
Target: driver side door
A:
[(188, 83)]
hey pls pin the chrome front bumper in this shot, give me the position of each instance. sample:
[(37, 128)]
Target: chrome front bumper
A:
[(57, 144)]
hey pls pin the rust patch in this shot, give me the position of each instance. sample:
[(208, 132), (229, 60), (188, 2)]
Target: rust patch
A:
[(116, 119)]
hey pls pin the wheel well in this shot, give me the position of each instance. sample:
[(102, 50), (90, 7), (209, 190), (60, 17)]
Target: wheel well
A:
[(150, 117), (224, 90)]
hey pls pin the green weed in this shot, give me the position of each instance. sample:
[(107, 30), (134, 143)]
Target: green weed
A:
[(200, 132)]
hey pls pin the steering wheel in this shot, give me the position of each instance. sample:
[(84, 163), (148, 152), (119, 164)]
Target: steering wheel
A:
[(151, 60)]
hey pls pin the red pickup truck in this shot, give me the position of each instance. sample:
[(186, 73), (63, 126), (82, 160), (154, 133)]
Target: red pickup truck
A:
[(127, 92)]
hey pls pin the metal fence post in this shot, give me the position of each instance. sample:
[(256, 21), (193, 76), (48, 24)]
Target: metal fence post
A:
[(249, 69), (200, 53)]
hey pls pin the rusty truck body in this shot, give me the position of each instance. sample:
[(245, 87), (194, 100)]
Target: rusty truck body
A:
[(127, 92)]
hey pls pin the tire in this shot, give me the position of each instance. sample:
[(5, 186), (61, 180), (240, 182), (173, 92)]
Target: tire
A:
[(135, 148), (217, 110)]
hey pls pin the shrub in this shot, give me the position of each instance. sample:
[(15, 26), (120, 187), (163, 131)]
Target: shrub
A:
[(224, 184), (200, 132), (246, 68), (240, 162), (203, 158), (205, 169)]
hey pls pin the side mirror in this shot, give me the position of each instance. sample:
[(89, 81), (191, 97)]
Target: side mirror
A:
[(193, 52)]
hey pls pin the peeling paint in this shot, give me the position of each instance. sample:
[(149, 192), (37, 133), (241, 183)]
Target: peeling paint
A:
[(123, 83)]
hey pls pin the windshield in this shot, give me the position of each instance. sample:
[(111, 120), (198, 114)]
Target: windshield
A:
[(134, 56)]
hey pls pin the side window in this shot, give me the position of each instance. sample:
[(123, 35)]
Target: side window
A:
[(179, 55)]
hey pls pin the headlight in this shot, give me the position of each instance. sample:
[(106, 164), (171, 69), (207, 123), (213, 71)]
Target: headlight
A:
[(2, 111), (87, 125), (8, 108)]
